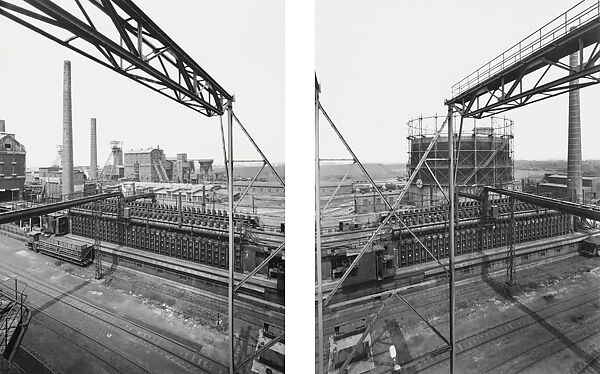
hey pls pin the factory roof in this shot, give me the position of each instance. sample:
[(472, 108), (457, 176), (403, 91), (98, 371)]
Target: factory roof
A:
[(560, 185), (142, 150), (563, 176)]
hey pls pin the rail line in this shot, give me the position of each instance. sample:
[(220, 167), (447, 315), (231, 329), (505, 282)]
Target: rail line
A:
[(34, 363), (424, 301), (83, 345), (479, 339), (595, 322), (437, 296), (150, 337)]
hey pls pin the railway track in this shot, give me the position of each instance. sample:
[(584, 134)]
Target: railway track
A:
[(27, 362), (424, 300), (479, 339), (181, 354), (427, 301)]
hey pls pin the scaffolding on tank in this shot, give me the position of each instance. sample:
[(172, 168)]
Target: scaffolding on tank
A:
[(486, 156), (133, 45)]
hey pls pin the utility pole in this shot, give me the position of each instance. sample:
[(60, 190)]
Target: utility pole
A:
[(318, 234), (452, 198), (231, 233)]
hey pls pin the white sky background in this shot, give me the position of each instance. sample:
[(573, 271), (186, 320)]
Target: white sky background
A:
[(238, 42), (383, 62)]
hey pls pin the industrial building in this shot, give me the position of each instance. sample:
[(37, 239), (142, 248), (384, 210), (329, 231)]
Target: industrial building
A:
[(152, 165), (12, 165), (555, 185)]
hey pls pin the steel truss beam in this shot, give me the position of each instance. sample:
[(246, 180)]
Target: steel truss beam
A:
[(531, 70), (368, 245), (153, 58)]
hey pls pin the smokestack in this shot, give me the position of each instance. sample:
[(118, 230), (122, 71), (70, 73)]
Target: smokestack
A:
[(2, 125), (67, 152), (574, 185), (93, 152)]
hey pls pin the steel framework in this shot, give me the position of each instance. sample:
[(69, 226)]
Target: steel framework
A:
[(518, 77), (392, 216), (531, 69), (131, 44)]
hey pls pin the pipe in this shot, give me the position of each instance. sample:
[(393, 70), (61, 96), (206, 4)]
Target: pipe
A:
[(16, 215), (2, 125), (67, 151)]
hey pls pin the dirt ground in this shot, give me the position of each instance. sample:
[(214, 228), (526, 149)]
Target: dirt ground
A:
[(174, 310), (550, 323)]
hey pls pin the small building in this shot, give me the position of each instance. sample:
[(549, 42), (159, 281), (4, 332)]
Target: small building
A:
[(556, 186)]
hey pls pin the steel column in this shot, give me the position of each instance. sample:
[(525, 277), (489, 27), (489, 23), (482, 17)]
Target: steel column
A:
[(318, 233), (231, 232), (451, 218)]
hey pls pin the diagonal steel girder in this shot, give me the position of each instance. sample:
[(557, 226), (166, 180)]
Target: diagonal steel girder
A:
[(392, 209), (162, 69)]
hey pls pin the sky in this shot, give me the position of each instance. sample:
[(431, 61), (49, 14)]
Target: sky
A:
[(383, 62), (238, 42)]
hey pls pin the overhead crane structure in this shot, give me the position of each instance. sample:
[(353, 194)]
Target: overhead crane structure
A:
[(391, 217), (531, 70), (120, 36), (517, 77), (528, 72)]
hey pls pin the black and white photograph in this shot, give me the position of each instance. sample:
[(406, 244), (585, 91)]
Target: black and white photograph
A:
[(142, 186), (457, 187)]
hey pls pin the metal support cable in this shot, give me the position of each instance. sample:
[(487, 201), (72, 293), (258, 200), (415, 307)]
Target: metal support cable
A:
[(388, 217), (336, 189), (249, 186), (265, 159), (458, 149), (364, 334), (423, 318), (436, 181), (256, 269), (260, 351)]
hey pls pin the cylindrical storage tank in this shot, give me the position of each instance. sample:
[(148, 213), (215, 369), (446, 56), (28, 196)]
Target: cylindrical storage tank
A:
[(485, 155)]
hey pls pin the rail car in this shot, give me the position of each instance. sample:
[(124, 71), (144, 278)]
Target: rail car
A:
[(271, 361), (589, 246), (64, 248)]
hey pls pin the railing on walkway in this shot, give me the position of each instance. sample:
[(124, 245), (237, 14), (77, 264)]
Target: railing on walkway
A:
[(581, 13), (17, 316)]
